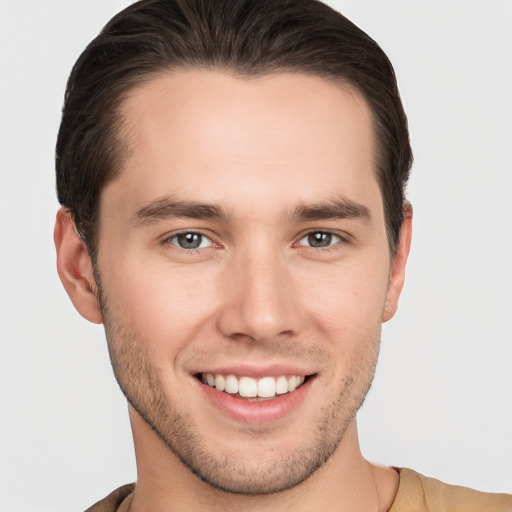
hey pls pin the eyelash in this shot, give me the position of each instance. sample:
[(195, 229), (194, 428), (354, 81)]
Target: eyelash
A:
[(331, 246), (169, 240)]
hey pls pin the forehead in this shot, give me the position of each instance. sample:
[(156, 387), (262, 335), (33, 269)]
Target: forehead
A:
[(281, 137)]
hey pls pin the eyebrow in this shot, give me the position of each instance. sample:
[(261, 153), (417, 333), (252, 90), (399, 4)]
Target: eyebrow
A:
[(165, 208), (341, 208)]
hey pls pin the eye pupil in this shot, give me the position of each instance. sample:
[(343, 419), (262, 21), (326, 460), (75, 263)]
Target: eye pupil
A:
[(189, 240), (319, 239)]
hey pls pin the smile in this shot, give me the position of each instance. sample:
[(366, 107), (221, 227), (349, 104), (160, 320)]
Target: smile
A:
[(248, 387)]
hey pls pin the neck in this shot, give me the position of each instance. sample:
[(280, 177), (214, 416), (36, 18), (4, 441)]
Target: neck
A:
[(346, 480)]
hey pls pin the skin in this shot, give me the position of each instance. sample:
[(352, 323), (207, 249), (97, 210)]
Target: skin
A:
[(254, 294)]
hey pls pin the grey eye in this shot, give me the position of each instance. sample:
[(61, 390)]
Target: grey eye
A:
[(190, 240), (320, 239)]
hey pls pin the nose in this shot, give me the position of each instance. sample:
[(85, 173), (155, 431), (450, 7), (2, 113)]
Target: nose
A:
[(260, 300)]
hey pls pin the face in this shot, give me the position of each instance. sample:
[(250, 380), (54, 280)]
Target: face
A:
[(244, 271)]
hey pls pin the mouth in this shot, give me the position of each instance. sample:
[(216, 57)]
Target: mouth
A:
[(253, 389), (256, 396)]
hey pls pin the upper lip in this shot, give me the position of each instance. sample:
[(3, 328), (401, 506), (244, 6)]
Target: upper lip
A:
[(272, 370)]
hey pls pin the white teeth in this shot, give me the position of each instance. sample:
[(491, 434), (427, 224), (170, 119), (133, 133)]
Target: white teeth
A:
[(248, 387), (266, 387), (231, 385), (293, 382), (220, 382), (281, 385)]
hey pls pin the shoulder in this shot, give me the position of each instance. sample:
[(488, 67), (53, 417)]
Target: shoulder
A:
[(113, 500), (423, 494)]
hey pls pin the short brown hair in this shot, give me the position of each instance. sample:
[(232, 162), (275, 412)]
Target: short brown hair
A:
[(246, 37)]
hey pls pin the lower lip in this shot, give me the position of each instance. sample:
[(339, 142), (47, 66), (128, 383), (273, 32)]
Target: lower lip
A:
[(257, 413)]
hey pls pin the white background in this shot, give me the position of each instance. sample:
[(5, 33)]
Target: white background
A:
[(441, 401)]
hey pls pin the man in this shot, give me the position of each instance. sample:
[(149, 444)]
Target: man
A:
[(232, 176)]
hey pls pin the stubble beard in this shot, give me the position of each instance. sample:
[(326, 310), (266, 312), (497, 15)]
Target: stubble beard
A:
[(258, 473)]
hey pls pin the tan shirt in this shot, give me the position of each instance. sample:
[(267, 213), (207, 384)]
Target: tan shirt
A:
[(416, 493)]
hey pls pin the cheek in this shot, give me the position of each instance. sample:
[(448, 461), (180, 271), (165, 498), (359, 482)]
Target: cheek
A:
[(160, 303), (347, 302)]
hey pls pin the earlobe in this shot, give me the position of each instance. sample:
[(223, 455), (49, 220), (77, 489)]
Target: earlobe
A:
[(397, 275), (75, 268)]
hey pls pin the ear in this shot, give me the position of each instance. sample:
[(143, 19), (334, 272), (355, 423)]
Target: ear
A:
[(397, 274), (75, 268)]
